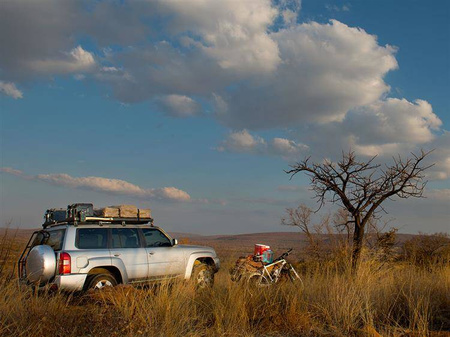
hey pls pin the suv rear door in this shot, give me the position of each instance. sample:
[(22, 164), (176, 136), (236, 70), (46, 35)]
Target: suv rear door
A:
[(92, 244), (126, 245)]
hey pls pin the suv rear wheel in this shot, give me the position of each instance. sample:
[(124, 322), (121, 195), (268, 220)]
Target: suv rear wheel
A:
[(100, 281)]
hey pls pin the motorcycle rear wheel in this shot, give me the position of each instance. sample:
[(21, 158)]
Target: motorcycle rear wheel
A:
[(258, 280)]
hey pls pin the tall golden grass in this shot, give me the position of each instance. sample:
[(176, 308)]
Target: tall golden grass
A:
[(394, 299)]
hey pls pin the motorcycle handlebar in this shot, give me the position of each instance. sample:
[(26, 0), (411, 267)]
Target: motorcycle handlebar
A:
[(285, 254)]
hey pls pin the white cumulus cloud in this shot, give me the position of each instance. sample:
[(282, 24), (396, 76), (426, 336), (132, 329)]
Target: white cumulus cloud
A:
[(10, 89), (12, 171), (234, 33), (244, 142), (178, 106), (241, 142), (287, 148), (394, 120), (385, 128), (326, 70), (105, 185), (77, 60)]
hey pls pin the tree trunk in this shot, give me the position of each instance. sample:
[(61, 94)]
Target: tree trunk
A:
[(358, 237)]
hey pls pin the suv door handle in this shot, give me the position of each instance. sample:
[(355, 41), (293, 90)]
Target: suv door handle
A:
[(116, 255), (151, 253)]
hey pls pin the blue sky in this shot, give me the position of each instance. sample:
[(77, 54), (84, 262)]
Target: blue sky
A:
[(195, 111)]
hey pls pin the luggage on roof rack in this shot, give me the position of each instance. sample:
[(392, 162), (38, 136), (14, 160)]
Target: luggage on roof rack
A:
[(55, 215), (123, 211), (84, 213), (80, 211), (107, 212), (127, 211)]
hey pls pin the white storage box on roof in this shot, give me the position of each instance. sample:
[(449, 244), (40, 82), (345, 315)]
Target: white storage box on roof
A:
[(127, 211), (124, 211), (107, 212), (145, 213)]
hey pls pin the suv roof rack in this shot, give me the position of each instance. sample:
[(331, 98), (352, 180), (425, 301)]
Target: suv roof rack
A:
[(92, 220)]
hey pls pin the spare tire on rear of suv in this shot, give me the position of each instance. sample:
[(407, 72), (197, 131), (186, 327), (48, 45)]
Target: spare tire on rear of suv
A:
[(40, 265)]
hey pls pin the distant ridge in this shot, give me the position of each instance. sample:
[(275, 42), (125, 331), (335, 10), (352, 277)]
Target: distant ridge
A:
[(242, 243)]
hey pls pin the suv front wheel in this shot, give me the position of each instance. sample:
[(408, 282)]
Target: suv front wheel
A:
[(203, 276), (100, 281)]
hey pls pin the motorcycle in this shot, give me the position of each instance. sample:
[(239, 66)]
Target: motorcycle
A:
[(260, 275)]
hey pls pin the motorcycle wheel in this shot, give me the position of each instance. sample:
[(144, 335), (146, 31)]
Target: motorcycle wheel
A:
[(258, 280), (295, 278)]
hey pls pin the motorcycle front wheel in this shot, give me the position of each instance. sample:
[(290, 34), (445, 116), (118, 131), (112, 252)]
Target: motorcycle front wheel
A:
[(295, 278)]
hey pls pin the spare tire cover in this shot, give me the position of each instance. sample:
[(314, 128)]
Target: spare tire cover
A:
[(41, 264)]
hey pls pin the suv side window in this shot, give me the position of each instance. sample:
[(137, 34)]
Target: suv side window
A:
[(155, 238), (39, 239), (125, 238), (56, 238), (53, 239), (92, 238)]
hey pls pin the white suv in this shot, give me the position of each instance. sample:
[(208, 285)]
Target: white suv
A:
[(75, 256)]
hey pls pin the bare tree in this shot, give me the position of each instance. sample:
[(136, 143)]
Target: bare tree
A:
[(361, 187), (300, 217), (326, 238)]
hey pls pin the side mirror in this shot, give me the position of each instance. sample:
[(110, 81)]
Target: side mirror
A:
[(174, 242)]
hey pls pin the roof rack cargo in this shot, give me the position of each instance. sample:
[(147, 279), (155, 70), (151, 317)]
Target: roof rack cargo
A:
[(54, 215), (85, 214), (80, 209)]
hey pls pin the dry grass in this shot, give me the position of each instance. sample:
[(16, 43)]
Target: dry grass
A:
[(383, 300)]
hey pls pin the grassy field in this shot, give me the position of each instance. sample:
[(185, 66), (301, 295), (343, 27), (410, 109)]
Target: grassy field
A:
[(384, 299)]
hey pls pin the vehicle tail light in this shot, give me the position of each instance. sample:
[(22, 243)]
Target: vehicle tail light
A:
[(64, 264)]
